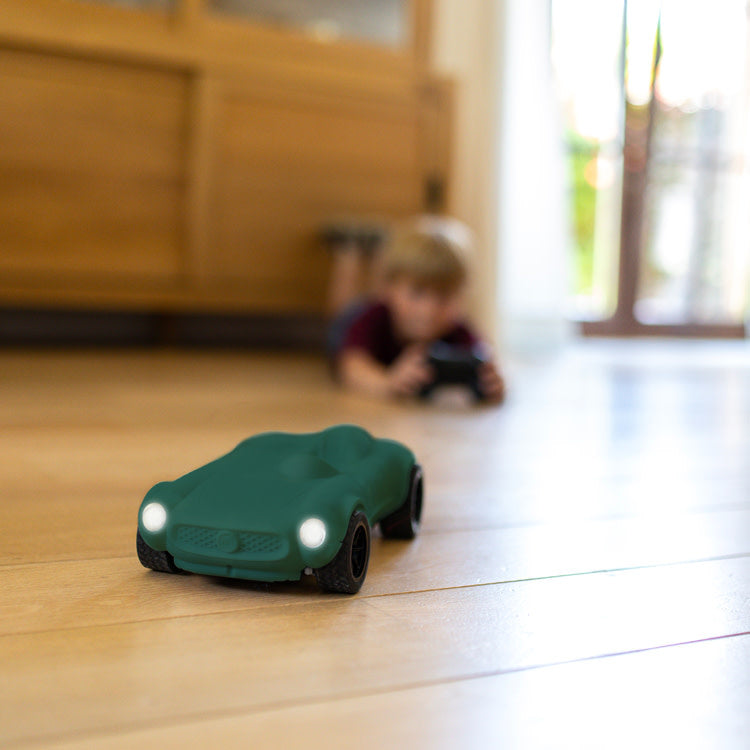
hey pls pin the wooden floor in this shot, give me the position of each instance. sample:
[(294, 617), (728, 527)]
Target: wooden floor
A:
[(582, 579)]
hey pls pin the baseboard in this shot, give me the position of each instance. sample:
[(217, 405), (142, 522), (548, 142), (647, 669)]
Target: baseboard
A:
[(42, 327)]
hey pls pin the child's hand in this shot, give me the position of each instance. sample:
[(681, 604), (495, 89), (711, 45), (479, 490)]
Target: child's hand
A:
[(491, 383), (410, 371)]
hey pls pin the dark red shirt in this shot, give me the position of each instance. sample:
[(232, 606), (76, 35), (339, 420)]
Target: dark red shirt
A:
[(373, 332)]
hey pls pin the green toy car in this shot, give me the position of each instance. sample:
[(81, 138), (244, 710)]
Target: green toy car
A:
[(280, 505)]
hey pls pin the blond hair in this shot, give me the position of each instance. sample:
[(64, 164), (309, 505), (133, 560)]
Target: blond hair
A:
[(432, 250)]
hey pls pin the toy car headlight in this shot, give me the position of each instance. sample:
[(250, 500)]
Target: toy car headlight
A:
[(312, 533), (154, 517)]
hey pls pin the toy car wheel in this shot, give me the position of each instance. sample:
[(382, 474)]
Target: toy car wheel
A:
[(346, 572), (404, 522), (153, 558)]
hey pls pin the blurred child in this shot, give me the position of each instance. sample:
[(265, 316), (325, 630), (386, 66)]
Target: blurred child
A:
[(379, 343)]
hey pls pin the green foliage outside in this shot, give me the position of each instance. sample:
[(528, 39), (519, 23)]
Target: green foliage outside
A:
[(581, 151)]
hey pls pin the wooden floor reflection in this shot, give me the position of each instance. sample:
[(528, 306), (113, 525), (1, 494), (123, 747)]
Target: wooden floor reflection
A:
[(582, 579)]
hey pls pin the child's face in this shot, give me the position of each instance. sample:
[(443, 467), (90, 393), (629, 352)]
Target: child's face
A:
[(422, 313)]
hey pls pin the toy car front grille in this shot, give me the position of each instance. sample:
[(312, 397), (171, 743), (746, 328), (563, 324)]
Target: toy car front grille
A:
[(254, 543)]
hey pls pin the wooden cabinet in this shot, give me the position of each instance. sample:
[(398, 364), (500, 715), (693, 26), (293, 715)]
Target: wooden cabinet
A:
[(170, 157), (91, 167)]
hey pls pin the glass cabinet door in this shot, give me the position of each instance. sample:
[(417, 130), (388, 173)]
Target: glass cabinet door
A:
[(384, 22), (139, 4)]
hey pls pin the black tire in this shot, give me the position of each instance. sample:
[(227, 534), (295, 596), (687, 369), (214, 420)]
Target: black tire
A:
[(346, 573), (153, 558), (404, 522)]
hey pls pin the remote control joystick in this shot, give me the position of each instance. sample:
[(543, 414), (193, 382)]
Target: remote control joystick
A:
[(454, 366)]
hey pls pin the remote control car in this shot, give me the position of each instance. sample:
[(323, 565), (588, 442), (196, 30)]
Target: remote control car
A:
[(280, 505), (454, 366)]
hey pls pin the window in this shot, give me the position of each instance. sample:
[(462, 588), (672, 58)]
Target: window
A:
[(656, 100), (140, 4), (380, 21)]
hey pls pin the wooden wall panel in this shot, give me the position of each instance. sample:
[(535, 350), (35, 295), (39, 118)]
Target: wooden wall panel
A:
[(286, 165), (91, 167)]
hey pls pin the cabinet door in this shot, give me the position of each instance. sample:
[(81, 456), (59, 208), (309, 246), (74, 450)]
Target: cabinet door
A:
[(286, 163), (91, 169)]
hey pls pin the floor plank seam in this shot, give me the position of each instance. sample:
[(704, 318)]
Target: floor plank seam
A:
[(63, 561), (423, 533), (322, 600), (640, 517), (273, 706)]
